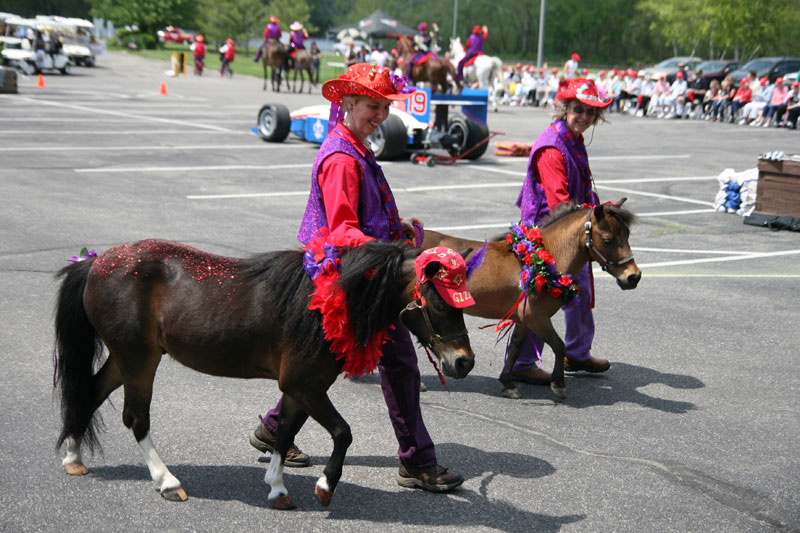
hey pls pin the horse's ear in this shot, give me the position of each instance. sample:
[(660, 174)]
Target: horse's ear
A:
[(599, 212), (621, 201), (466, 252)]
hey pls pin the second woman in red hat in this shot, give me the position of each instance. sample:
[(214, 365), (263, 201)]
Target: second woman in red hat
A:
[(558, 172)]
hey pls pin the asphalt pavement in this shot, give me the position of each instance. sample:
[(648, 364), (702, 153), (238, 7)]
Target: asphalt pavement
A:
[(694, 428)]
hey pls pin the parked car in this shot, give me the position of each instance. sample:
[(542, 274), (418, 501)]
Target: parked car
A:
[(669, 67), (717, 69), (171, 34), (771, 67)]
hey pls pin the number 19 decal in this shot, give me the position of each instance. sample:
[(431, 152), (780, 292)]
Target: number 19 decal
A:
[(418, 103)]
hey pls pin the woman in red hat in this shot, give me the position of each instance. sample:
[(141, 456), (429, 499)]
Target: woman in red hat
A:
[(571, 66), (474, 47), (350, 196), (272, 36), (198, 49), (558, 172), (227, 55)]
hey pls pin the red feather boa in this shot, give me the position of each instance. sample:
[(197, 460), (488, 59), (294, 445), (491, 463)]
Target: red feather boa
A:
[(331, 302)]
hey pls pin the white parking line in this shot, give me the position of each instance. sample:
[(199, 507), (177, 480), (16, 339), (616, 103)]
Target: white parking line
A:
[(653, 195), (719, 259), (122, 114), (194, 169), (146, 148)]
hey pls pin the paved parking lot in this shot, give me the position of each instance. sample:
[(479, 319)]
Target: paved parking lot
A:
[(694, 428)]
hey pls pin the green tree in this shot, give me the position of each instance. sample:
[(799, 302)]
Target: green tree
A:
[(240, 20), (148, 15), (291, 10)]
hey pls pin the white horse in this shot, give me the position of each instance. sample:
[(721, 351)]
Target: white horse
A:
[(486, 71)]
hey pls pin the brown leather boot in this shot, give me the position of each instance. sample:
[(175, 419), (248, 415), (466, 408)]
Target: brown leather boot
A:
[(263, 440), (593, 365), (434, 478)]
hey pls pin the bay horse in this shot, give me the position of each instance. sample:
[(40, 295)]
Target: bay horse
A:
[(275, 57), (434, 70), (486, 72), (573, 235), (301, 63), (232, 317)]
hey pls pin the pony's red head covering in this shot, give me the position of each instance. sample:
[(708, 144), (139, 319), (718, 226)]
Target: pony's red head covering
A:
[(451, 278), (368, 80)]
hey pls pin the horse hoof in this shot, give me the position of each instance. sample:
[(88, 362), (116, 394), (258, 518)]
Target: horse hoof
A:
[(283, 502), (176, 494), (560, 392), (323, 496), (512, 394), (76, 469)]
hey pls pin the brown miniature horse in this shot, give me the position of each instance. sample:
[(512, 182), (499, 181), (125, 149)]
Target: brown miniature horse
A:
[(275, 57), (433, 71), (301, 63), (242, 318), (573, 235)]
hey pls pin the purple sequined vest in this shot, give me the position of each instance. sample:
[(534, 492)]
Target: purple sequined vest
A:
[(532, 200), (374, 220)]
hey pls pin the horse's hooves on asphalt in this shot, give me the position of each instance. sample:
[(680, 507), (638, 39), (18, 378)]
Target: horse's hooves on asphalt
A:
[(283, 502), (560, 392), (174, 495), (76, 469), (323, 496), (512, 394)]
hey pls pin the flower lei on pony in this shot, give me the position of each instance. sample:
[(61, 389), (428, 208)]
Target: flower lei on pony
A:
[(321, 262), (538, 272)]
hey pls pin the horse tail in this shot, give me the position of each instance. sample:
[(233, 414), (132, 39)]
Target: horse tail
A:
[(77, 346)]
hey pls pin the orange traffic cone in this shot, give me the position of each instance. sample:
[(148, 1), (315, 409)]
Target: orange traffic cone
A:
[(163, 90), (40, 82)]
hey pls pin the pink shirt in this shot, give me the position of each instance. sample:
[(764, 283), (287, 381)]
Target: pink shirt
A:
[(779, 95)]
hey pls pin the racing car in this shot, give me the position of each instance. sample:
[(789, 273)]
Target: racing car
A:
[(407, 129)]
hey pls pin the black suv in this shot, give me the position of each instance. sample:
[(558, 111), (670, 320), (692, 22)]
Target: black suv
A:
[(771, 67)]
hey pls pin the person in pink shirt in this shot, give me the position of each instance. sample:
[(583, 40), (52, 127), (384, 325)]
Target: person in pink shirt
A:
[(744, 94), (777, 104)]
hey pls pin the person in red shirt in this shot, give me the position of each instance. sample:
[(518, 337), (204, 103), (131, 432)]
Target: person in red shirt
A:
[(198, 48), (558, 172), (351, 197), (744, 94), (227, 54)]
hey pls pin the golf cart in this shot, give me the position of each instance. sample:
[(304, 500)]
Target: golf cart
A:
[(20, 47)]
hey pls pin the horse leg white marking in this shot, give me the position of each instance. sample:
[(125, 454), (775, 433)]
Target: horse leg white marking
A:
[(274, 478), (72, 463), (168, 484)]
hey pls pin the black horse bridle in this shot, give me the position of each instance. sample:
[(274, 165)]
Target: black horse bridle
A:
[(605, 264), (434, 338)]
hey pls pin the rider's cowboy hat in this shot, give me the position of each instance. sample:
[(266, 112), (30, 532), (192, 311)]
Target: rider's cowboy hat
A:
[(296, 26), (367, 80), (274, 20)]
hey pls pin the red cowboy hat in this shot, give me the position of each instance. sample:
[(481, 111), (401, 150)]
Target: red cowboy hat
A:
[(477, 29), (555, 70), (576, 57), (451, 279), (422, 26), (275, 20), (679, 74), (199, 39), (368, 80), (582, 90)]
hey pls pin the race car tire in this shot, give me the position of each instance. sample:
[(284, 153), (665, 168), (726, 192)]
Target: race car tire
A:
[(467, 133), (389, 140), (274, 123)]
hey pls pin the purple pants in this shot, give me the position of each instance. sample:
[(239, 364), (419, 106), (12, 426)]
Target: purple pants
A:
[(579, 331), (400, 383)]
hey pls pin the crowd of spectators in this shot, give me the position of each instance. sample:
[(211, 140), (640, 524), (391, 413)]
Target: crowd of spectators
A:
[(754, 102)]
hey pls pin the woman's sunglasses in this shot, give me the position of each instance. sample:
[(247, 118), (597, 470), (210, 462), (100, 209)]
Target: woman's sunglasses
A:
[(580, 110)]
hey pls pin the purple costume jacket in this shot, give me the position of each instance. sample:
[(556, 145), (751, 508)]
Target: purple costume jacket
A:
[(374, 219), (399, 371), (532, 200), (296, 39), (273, 31), (474, 45), (579, 332)]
